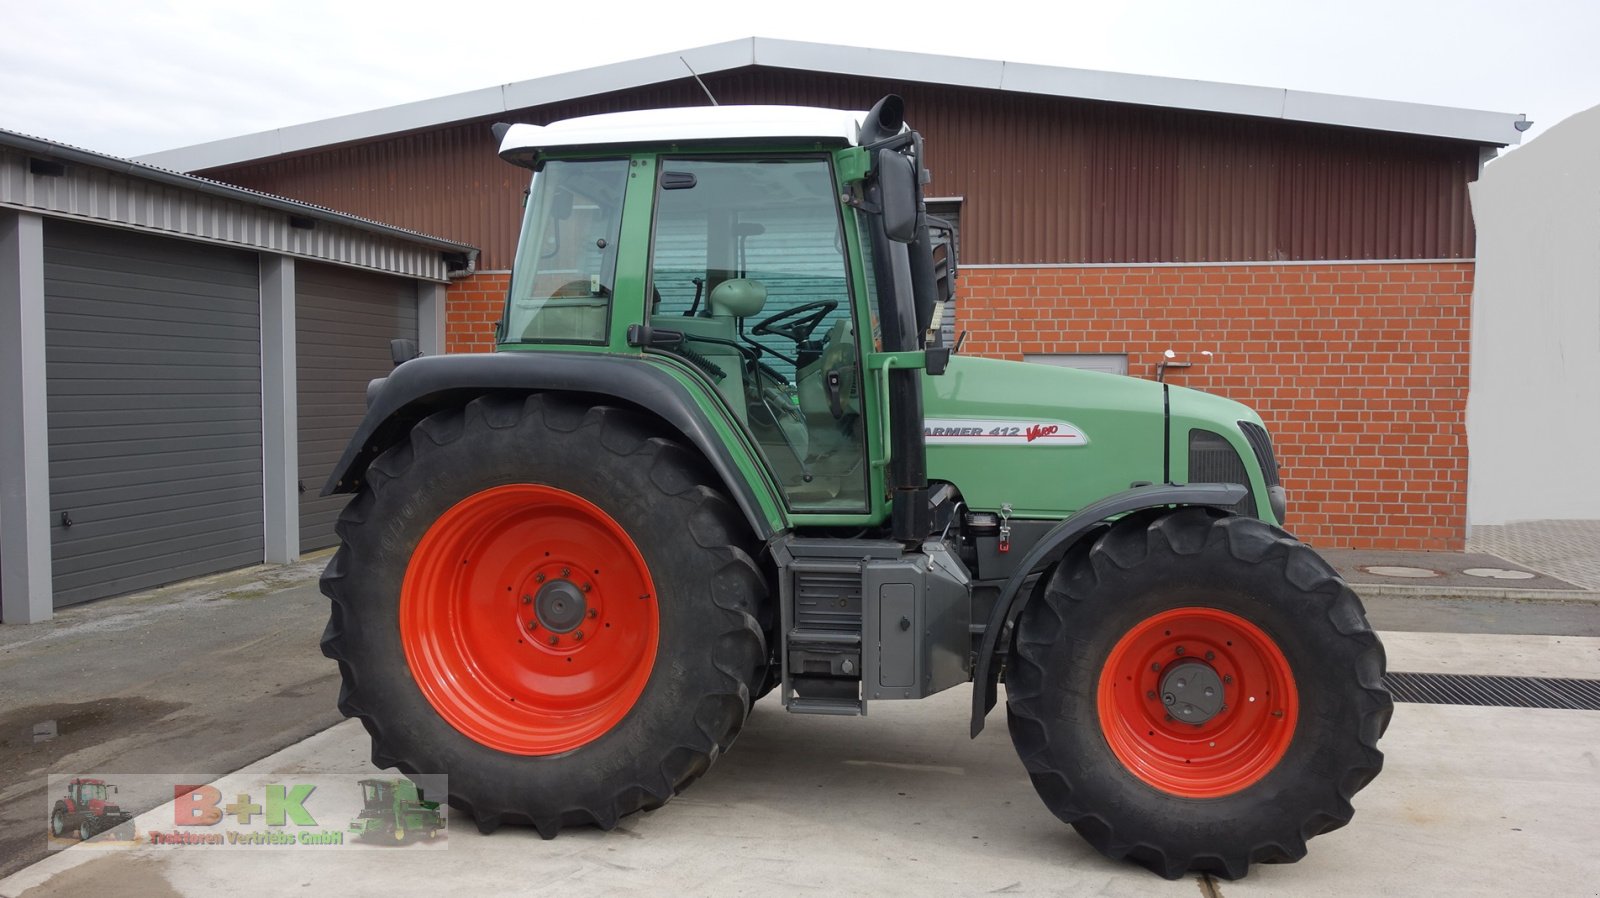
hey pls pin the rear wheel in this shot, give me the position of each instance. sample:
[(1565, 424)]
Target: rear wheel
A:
[(549, 604), (1196, 693)]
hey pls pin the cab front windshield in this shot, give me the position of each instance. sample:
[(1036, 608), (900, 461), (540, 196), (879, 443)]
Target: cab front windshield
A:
[(565, 269)]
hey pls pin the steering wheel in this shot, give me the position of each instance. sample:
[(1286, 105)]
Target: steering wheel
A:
[(807, 317)]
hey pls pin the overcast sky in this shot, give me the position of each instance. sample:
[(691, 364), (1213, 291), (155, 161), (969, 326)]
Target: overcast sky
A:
[(134, 77)]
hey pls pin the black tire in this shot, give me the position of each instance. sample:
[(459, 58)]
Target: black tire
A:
[(1153, 564), (58, 821), (85, 831), (710, 650)]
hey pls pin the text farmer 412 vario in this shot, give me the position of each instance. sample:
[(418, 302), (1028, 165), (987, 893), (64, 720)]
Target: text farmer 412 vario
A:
[(721, 451)]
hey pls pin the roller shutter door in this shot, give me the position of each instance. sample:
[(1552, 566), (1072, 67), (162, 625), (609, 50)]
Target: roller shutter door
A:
[(153, 351), (344, 321)]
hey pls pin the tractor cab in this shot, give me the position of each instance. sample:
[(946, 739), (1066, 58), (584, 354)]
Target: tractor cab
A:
[(85, 791), (747, 281)]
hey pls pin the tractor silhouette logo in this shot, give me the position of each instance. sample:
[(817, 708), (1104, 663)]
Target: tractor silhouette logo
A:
[(393, 812), (88, 810)]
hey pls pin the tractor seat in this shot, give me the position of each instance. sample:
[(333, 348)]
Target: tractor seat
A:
[(737, 298)]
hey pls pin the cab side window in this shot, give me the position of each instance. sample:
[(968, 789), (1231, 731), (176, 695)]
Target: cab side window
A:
[(749, 264)]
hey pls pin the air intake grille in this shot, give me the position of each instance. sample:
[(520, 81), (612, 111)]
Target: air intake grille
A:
[(826, 600), (1212, 459), (1261, 444)]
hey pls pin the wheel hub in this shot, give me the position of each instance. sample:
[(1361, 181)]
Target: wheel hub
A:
[(1192, 692), (560, 606), (507, 624)]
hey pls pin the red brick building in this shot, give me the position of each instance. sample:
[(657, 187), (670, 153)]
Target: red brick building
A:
[(1320, 247)]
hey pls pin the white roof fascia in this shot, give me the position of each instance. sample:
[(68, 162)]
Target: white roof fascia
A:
[(1477, 126)]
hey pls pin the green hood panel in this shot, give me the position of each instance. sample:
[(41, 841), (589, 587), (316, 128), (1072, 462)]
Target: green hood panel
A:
[(989, 431), (1108, 434)]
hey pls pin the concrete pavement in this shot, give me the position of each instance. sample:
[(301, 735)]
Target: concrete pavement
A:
[(1473, 801), (214, 674), (208, 675)]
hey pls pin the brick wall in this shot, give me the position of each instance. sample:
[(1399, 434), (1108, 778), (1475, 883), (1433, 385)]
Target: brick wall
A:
[(1360, 371), (472, 306)]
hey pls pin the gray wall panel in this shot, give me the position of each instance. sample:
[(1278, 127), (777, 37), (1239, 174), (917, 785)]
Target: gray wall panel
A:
[(344, 321), (153, 364)]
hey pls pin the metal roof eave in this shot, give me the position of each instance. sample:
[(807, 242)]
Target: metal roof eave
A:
[(38, 146), (1475, 126)]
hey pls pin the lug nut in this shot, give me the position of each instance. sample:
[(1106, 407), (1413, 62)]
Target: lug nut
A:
[(577, 634), (532, 625), (1150, 695), (593, 613), (1156, 667), (1227, 678), (1179, 650), (566, 571), (585, 587), (526, 599), (555, 640), (1211, 656), (538, 578)]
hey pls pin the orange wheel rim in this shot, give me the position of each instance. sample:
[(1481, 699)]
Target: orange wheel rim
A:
[(1168, 731), (529, 620)]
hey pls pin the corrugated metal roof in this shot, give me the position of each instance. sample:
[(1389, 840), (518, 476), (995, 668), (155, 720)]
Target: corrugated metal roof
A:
[(1475, 126), (111, 190)]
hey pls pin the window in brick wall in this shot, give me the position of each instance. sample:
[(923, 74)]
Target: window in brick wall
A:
[(1109, 363)]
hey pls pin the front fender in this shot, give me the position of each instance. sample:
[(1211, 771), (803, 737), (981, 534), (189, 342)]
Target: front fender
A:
[(423, 386), (986, 676)]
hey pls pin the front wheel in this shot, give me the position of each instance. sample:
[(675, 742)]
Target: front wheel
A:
[(1197, 692)]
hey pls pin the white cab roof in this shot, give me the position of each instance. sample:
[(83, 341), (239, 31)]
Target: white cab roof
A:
[(696, 124)]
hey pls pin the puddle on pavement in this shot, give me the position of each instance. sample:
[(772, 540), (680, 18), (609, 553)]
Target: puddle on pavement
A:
[(32, 735)]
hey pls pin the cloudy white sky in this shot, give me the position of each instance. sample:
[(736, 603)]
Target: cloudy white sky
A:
[(134, 77)]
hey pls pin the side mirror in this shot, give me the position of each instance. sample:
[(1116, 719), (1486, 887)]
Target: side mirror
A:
[(897, 191)]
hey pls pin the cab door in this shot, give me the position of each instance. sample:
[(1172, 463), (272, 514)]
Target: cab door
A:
[(750, 262)]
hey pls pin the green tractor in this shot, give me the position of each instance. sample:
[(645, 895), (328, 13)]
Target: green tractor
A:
[(721, 450), (393, 810)]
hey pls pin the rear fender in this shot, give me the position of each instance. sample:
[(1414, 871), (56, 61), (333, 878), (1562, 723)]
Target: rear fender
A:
[(423, 386), (1054, 544)]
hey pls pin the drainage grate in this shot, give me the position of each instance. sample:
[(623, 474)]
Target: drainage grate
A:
[(1495, 692)]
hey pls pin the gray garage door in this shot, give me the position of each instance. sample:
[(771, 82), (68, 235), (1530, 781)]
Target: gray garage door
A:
[(152, 351), (344, 321)]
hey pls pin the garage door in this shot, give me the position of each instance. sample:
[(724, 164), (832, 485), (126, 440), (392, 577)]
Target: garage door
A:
[(152, 351), (344, 321)]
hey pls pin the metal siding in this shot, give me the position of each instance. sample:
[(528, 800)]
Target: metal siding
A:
[(1046, 179), (113, 198), (344, 321), (152, 352)]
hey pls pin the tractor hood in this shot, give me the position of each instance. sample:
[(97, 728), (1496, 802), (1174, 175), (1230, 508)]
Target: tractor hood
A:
[(1049, 440)]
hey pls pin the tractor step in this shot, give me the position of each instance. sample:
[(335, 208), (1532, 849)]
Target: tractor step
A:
[(833, 706)]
